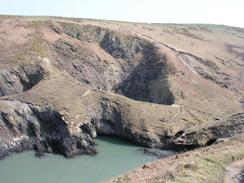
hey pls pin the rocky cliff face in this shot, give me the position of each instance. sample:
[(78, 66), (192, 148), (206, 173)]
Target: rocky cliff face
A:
[(24, 127), (208, 134), (19, 79), (138, 64), (64, 81)]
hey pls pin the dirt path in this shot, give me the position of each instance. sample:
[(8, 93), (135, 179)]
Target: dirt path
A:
[(86, 93), (178, 113), (235, 172)]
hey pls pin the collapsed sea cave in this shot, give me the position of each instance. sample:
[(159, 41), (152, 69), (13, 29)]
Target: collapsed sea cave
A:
[(139, 70)]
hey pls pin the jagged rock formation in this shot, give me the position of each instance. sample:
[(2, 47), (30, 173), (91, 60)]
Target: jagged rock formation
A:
[(42, 128), (139, 64), (17, 80), (65, 81), (207, 134)]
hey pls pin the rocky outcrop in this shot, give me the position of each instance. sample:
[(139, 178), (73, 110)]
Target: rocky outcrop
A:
[(25, 126), (138, 69), (19, 79), (114, 121), (85, 66), (205, 135), (43, 128), (148, 81), (121, 46), (75, 80), (88, 33)]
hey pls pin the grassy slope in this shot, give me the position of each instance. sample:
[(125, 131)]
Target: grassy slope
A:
[(205, 165), (205, 41)]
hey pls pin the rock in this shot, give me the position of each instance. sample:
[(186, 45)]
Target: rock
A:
[(24, 126), (64, 81), (136, 76), (19, 79), (145, 166), (205, 135)]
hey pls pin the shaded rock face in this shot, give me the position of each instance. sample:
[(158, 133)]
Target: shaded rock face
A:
[(139, 71), (88, 33), (120, 46), (113, 121), (24, 126), (148, 81), (85, 66), (207, 135), (19, 79)]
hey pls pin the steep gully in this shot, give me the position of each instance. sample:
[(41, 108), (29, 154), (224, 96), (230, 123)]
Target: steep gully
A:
[(139, 69), (141, 66)]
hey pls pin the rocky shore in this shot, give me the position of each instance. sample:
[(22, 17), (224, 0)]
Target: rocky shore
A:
[(44, 129), (64, 81)]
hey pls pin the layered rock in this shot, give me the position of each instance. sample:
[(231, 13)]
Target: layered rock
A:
[(139, 69), (24, 127), (19, 79), (207, 134), (76, 80)]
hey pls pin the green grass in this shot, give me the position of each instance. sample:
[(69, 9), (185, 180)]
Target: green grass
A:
[(209, 168)]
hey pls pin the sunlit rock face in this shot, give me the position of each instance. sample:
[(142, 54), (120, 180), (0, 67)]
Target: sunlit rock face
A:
[(65, 81)]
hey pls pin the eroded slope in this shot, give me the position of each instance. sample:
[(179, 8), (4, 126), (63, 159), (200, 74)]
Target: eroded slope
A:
[(65, 81)]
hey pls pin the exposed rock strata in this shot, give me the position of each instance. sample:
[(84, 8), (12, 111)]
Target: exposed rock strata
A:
[(205, 135), (141, 69), (19, 79), (76, 80), (24, 126)]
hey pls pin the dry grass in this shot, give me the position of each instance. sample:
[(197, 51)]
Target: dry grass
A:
[(205, 165), (209, 167), (202, 96)]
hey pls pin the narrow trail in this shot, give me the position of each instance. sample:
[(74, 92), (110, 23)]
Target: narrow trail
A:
[(178, 113), (86, 93), (235, 172)]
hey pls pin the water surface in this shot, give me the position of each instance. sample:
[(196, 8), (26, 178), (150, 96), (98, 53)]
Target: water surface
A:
[(114, 157)]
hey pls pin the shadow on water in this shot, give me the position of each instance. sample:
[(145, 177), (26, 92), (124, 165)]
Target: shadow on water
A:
[(115, 156), (115, 140)]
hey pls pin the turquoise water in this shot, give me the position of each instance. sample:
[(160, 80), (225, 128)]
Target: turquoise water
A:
[(114, 158)]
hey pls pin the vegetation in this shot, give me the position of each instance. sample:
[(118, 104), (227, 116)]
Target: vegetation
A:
[(208, 167)]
